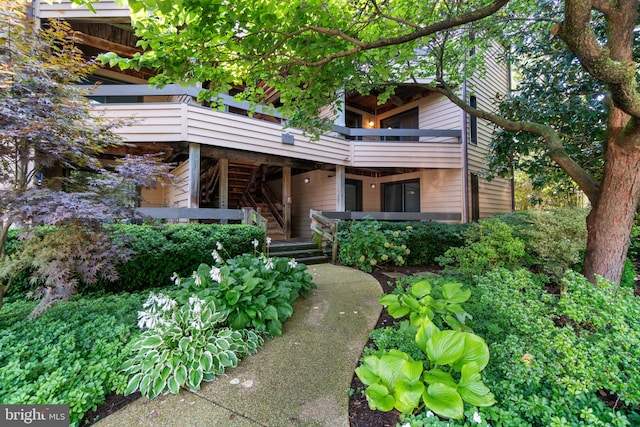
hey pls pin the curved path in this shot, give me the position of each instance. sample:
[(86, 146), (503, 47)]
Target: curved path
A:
[(300, 378)]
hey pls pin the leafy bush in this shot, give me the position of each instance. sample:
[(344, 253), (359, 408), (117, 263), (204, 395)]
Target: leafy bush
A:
[(552, 356), (488, 244), (159, 251), (183, 345), (258, 292), (629, 274), (442, 381), (555, 239), (365, 244), (426, 240), (72, 354)]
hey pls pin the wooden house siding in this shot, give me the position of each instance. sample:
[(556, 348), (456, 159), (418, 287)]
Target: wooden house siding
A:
[(407, 154), (318, 194), (65, 9), (178, 196), (494, 196), (441, 190)]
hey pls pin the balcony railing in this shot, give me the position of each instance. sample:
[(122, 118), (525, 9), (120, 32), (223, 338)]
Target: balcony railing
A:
[(445, 136)]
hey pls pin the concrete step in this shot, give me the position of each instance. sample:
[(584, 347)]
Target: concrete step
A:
[(304, 252)]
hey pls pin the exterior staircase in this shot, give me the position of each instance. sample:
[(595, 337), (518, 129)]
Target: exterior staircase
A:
[(304, 252)]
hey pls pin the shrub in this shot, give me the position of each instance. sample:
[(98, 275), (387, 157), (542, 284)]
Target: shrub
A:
[(159, 251), (553, 355), (426, 240), (629, 274), (72, 354), (365, 244), (488, 244)]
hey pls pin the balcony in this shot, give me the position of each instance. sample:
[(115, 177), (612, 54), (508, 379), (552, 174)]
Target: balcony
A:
[(171, 114)]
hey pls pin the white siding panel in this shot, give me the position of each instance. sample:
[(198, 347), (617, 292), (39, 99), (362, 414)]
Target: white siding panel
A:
[(441, 191), (67, 10)]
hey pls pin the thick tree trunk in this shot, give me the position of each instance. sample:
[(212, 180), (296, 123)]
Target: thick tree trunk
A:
[(611, 218)]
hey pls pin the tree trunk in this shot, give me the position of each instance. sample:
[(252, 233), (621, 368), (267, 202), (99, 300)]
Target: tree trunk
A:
[(611, 218)]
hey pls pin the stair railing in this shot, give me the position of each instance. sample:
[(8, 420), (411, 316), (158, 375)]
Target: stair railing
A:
[(253, 217), (269, 197), (327, 228)]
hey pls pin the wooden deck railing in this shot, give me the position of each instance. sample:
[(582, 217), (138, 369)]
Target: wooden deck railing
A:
[(327, 228), (245, 215)]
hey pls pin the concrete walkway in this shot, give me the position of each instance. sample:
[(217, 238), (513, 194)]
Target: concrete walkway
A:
[(300, 378)]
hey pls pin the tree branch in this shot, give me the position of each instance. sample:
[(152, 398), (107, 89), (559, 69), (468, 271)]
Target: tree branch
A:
[(361, 46), (547, 133), (612, 64)]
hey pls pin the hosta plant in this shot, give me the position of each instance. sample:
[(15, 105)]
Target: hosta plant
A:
[(443, 383), (257, 291), (183, 345), (419, 304)]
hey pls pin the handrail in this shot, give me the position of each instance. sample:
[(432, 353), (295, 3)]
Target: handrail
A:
[(373, 135), (327, 228), (269, 196), (252, 217)]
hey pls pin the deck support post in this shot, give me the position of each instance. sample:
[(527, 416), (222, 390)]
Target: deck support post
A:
[(286, 201)]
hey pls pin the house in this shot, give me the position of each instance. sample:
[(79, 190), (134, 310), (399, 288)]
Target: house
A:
[(417, 156)]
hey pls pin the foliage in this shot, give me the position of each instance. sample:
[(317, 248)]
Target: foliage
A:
[(258, 292), (555, 239), (488, 244), (629, 274), (183, 345), (447, 377), (72, 354), (45, 129), (366, 244), (553, 355), (419, 303), (159, 251)]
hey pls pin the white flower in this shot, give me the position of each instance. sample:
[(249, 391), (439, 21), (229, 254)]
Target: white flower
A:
[(268, 241), (268, 264), (430, 414), (219, 246), (196, 324), (255, 243), (216, 256), (196, 279), (165, 303), (477, 418), (175, 278), (293, 263), (215, 274), (196, 304)]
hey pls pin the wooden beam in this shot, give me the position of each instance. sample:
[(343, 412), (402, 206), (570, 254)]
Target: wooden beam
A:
[(194, 175), (103, 44), (340, 188), (223, 183), (286, 201)]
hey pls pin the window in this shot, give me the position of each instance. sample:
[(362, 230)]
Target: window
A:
[(401, 196), (473, 121), (405, 120), (475, 198)]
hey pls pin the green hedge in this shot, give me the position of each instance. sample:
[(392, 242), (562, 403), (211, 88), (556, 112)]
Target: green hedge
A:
[(160, 250), (427, 240)]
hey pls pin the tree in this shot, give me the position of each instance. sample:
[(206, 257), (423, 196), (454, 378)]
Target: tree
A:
[(312, 50), (45, 128)]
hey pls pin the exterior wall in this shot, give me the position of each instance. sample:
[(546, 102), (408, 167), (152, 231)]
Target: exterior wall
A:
[(178, 197), (495, 196), (318, 194), (441, 190), (153, 198), (370, 196)]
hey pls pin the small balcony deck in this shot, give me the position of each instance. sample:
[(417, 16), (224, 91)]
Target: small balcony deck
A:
[(174, 116)]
